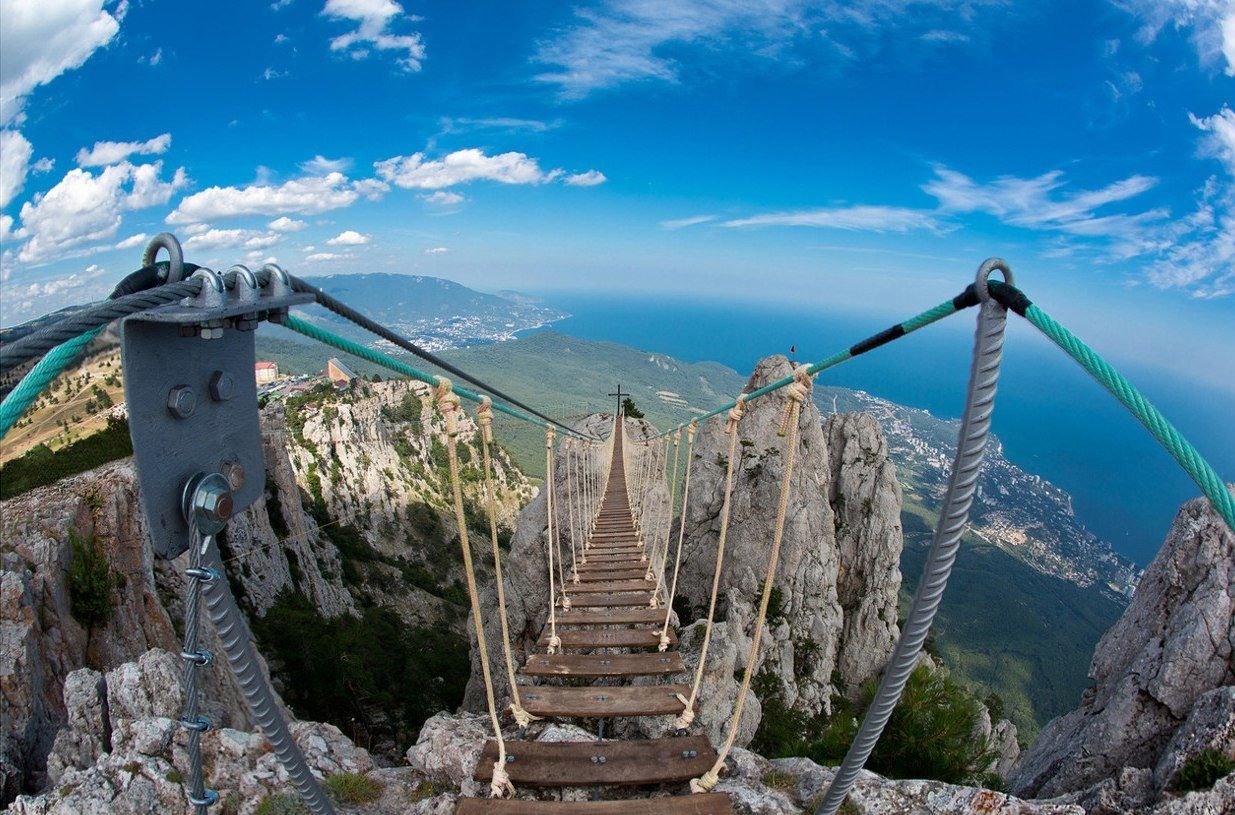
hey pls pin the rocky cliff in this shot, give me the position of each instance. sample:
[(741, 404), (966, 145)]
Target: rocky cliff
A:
[(833, 622), (1164, 680), (363, 464)]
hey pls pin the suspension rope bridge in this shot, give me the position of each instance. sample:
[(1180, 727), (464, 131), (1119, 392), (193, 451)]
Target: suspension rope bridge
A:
[(610, 585)]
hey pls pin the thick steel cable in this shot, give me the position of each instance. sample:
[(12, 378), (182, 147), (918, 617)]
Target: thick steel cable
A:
[(555, 642), (962, 483), (96, 315), (194, 659), (238, 645)]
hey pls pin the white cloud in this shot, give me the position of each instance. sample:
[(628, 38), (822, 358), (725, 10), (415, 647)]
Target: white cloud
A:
[(1212, 23), (461, 167), (84, 208), (15, 152), (589, 179), (273, 73), (301, 196), (1042, 203), (374, 20), (280, 39), (45, 38), (856, 218), (679, 223), (214, 239), (463, 123), (133, 241), (320, 165), (6, 226), (286, 224), (105, 153), (43, 165), (371, 188), (437, 250), (154, 59), (1220, 139), (442, 198), (631, 40), (318, 257), (349, 238)]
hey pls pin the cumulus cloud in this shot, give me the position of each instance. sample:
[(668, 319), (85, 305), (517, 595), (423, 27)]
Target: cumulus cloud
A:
[(589, 179), (45, 38), (84, 208), (348, 238), (461, 167), (301, 196), (133, 241), (437, 250), (15, 152), (318, 257), (375, 21), (856, 218), (442, 198), (105, 153), (286, 224), (1219, 141), (214, 239)]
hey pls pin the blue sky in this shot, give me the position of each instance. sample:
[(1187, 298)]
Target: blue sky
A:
[(865, 156)]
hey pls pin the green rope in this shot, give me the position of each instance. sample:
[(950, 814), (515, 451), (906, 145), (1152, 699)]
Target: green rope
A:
[(932, 315), (376, 357), (1183, 452), (39, 377)]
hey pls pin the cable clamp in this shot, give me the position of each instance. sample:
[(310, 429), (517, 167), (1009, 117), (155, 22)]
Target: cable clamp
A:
[(209, 798), (201, 657)]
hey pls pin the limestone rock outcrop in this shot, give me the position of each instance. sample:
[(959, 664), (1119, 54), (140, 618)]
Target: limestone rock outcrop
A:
[(1163, 676), (838, 574)]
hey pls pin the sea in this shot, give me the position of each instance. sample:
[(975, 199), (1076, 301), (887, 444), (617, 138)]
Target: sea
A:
[(1054, 421)]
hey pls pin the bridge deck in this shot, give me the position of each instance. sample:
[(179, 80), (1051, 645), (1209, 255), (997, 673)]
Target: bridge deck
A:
[(610, 609)]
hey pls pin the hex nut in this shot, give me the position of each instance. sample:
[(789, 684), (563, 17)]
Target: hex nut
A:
[(233, 471), (181, 401), (222, 386)]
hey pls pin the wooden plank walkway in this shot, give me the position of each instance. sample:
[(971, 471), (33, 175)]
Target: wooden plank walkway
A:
[(610, 609)]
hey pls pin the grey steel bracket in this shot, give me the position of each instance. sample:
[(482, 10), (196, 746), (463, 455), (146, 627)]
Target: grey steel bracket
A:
[(191, 395)]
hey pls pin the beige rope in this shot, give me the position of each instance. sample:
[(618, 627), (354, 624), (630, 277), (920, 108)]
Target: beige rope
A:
[(555, 537), (448, 406), (798, 392), (677, 561), (570, 509), (668, 508), (555, 642), (735, 415), (484, 420)]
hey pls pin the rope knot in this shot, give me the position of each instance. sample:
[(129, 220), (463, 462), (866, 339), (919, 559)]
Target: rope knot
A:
[(735, 414), (691, 430), (686, 717), (484, 419), (522, 717), (555, 644), (500, 786), (565, 602), (550, 435), (448, 405), (664, 642), (704, 783), (798, 392)]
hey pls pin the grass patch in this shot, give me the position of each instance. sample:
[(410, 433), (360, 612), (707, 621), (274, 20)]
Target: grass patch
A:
[(1202, 771), (353, 788)]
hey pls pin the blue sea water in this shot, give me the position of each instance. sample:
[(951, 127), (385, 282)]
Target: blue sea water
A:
[(1052, 418)]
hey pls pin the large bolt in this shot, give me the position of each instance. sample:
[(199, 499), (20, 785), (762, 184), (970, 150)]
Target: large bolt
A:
[(212, 503), (233, 471), (181, 401), (222, 386)]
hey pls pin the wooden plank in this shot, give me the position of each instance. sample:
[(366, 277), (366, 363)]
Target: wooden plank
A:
[(595, 703), (630, 598), (712, 803), (614, 616), (620, 557), (588, 763), (598, 665), (599, 575), (638, 584), (609, 638)]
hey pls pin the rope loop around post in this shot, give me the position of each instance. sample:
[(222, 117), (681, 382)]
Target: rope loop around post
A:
[(448, 405), (798, 392), (735, 414), (484, 419)]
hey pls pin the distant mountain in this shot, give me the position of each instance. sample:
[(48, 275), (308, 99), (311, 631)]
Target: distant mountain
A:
[(435, 313)]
